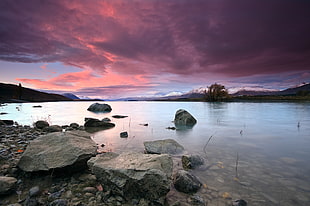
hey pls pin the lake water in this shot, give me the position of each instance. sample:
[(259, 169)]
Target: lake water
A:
[(259, 152)]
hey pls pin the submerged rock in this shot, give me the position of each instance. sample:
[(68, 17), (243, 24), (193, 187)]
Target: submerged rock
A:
[(134, 175), (184, 118), (192, 161), (167, 146), (96, 107), (186, 182), (58, 150)]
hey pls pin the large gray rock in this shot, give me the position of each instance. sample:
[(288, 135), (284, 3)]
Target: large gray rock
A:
[(134, 175), (167, 146), (58, 150), (186, 182), (7, 184), (184, 118), (96, 107)]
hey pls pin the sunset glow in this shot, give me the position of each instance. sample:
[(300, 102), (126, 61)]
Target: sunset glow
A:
[(119, 48)]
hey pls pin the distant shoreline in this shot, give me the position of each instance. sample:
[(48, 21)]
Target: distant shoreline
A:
[(233, 99)]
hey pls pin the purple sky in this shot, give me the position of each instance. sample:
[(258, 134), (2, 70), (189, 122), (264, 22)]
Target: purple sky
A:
[(127, 48)]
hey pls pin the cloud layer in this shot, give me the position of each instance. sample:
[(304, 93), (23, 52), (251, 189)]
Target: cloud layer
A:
[(143, 40)]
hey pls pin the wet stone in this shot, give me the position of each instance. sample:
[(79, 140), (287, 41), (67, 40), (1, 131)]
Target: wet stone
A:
[(34, 191)]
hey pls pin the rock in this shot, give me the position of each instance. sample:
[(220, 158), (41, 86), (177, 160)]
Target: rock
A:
[(196, 200), (52, 128), (172, 128), (167, 146), (239, 203), (34, 191), (37, 106), (74, 125), (106, 119), (124, 134), (2, 123), (58, 150), (119, 116), (186, 182), (7, 122), (134, 175), (184, 118), (7, 184), (92, 122), (96, 107), (90, 190), (41, 124), (192, 161), (31, 201), (59, 202)]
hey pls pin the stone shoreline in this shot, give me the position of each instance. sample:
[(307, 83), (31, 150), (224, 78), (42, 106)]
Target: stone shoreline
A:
[(73, 189)]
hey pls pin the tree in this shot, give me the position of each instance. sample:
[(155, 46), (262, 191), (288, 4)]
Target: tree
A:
[(217, 92), (20, 91)]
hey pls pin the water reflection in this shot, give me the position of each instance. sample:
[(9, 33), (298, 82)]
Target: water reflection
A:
[(273, 151)]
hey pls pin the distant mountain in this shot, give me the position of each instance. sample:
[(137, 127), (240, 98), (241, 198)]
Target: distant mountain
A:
[(261, 92), (70, 96), (293, 91), (15, 93)]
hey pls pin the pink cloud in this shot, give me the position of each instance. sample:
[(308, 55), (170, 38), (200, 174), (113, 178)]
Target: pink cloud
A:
[(129, 41)]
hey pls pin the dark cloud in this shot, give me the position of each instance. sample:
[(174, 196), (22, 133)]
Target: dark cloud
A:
[(231, 38)]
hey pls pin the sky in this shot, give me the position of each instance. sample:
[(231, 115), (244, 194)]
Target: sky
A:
[(124, 48)]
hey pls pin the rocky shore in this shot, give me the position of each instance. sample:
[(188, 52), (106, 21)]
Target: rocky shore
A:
[(61, 166)]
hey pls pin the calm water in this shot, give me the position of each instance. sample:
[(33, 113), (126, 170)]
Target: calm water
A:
[(270, 142)]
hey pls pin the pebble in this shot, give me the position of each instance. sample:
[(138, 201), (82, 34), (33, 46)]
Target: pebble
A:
[(34, 191), (90, 190)]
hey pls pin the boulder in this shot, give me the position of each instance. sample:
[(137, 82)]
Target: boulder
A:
[(96, 107), (186, 182), (41, 124), (92, 122), (58, 150), (192, 161), (134, 175), (167, 146), (7, 184), (184, 118)]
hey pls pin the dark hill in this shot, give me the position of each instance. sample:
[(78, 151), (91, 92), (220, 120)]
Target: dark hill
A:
[(296, 90), (15, 93), (70, 96)]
